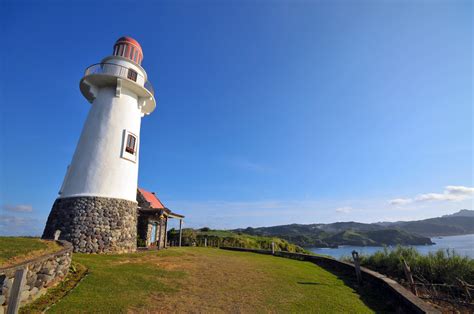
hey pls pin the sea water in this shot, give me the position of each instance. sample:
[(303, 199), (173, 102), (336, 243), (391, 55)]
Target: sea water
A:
[(462, 244)]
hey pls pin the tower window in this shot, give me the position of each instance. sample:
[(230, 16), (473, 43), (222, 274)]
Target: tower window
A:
[(132, 75), (130, 146), (131, 142)]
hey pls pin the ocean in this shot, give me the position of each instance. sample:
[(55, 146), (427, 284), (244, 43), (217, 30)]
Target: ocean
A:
[(461, 244)]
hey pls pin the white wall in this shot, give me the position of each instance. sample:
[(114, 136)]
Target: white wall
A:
[(97, 168)]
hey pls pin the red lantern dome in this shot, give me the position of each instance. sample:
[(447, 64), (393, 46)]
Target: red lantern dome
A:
[(129, 48)]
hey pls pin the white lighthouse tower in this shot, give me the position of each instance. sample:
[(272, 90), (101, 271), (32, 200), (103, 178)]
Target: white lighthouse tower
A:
[(96, 207)]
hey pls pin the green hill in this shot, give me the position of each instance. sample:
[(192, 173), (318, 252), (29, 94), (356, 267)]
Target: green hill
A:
[(373, 234), (441, 226), (218, 238)]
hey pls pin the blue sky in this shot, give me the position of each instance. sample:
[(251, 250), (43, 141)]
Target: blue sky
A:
[(269, 112)]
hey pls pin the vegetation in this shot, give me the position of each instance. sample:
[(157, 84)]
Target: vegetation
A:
[(218, 238), (211, 280), (76, 273), (443, 267), (17, 249)]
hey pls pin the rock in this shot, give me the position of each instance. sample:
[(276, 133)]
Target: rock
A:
[(39, 284), (25, 288), (2, 299), (47, 271), (24, 295), (34, 291), (8, 283), (45, 278)]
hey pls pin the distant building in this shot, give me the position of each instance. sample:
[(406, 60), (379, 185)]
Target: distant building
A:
[(153, 220), (97, 205)]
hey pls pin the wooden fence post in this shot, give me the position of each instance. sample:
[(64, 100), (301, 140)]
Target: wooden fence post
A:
[(15, 293), (180, 231), (56, 235), (409, 276), (465, 286), (355, 256)]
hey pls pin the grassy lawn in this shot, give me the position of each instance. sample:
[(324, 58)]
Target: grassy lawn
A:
[(15, 249), (209, 280)]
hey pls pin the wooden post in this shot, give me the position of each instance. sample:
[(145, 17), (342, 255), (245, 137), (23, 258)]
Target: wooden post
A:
[(160, 232), (409, 276), (56, 235), (15, 293), (166, 233), (465, 286), (273, 248), (180, 231), (205, 242), (355, 256)]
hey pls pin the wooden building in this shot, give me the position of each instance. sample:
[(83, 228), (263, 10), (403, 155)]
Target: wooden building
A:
[(152, 220)]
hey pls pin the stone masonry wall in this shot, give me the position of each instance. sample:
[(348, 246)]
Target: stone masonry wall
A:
[(42, 272), (94, 224)]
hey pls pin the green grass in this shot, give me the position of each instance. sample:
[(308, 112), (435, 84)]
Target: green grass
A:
[(16, 249), (210, 280)]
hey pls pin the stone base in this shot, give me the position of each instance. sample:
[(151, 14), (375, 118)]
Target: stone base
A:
[(94, 224)]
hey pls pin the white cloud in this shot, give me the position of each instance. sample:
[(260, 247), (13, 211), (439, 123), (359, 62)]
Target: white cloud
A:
[(451, 193), (344, 210), (18, 208), (400, 201), (20, 226)]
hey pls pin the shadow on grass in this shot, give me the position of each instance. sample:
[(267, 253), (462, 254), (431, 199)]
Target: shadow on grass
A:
[(372, 296), (312, 283)]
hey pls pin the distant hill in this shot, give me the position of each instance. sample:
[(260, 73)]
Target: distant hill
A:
[(375, 234), (218, 238), (462, 213)]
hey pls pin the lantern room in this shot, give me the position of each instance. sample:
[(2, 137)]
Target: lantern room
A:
[(129, 48)]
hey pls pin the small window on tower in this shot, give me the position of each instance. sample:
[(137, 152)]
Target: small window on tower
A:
[(131, 142), (132, 75)]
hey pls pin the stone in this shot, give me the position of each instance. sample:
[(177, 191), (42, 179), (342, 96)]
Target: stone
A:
[(8, 283), (39, 284), (2, 299), (94, 224), (24, 295), (45, 278), (25, 288), (47, 271), (34, 291)]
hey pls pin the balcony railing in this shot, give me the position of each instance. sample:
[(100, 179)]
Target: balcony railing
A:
[(120, 71)]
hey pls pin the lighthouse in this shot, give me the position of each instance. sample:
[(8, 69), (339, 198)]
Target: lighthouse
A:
[(96, 209)]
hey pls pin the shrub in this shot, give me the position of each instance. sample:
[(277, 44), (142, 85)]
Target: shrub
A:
[(443, 266)]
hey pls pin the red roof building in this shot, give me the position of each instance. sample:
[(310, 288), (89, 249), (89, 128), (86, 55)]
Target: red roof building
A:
[(152, 220)]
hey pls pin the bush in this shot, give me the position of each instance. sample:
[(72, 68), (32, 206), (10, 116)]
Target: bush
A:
[(141, 242), (439, 267)]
